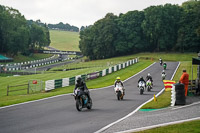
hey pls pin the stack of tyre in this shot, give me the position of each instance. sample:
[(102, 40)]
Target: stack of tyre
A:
[(180, 94)]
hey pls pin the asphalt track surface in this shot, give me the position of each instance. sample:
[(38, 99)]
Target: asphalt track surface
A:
[(146, 120), (59, 114), (44, 68)]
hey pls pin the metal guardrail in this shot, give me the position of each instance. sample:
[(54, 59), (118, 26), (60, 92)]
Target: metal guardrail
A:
[(53, 84)]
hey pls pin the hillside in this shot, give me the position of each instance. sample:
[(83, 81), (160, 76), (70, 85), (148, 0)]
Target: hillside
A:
[(64, 40)]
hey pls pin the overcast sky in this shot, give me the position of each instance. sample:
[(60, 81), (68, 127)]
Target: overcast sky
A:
[(78, 12)]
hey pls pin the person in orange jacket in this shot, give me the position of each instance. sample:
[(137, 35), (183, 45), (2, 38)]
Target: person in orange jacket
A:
[(185, 80)]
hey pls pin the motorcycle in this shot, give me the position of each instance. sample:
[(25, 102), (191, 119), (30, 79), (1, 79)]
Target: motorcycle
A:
[(119, 90), (149, 85), (82, 100), (164, 66), (163, 76), (160, 62), (142, 87)]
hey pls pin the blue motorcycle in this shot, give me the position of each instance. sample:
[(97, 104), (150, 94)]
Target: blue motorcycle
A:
[(82, 100)]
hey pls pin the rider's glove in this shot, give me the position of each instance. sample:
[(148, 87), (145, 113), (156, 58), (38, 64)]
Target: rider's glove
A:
[(86, 91)]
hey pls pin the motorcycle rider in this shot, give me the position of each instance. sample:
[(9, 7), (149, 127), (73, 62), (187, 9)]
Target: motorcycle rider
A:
[(82, 86), (163, 72), (142, 79), (118, 81), (149, 77), (165, 65), (161, 61)]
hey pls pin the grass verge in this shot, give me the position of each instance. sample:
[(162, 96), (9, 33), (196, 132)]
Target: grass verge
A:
[(186, 127), (162, 101)]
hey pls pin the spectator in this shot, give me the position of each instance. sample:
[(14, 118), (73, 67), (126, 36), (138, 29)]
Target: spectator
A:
[(185, 80)]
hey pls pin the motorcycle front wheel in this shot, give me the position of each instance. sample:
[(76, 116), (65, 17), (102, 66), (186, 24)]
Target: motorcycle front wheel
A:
[(148, 88), (79, 104), (141, 91), (119, 95)]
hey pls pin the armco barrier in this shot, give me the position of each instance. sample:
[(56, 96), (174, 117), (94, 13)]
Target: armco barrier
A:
[(107, 71), (84, 77), (104, 72), (110, 70), (115, 68), (65, 82), (53, 84), (72, 81), (93, 75), (58, 83), (100, 73), (26, 65), (49, 85)]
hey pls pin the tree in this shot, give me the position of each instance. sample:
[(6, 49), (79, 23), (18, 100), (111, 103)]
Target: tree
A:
[(39, 37), (161, 26), (130, 36), (86, 40), (158, 28), (188, 37), (97, 41), (14, 31), (62, 26)]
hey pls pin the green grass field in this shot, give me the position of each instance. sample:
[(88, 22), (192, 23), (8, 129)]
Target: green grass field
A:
[(186, 127), (64, 40)]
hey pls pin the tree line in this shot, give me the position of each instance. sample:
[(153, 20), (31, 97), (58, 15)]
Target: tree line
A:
[(162, 28), (59, 26), (62, 26), (19, 36)]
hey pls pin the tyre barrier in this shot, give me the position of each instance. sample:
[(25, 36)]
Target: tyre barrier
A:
[(178, 94), (58, 83), (173, 96)]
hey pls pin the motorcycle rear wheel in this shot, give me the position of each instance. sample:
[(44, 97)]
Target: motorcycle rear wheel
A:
[(89, 104)]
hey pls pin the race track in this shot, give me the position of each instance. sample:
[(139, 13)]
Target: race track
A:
[(59, 115)]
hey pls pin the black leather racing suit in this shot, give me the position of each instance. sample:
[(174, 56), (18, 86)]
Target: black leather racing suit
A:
[(83, 88)]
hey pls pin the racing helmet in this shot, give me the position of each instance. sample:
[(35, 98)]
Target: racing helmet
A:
[(149, 74), (79, 80), (118, 78)]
